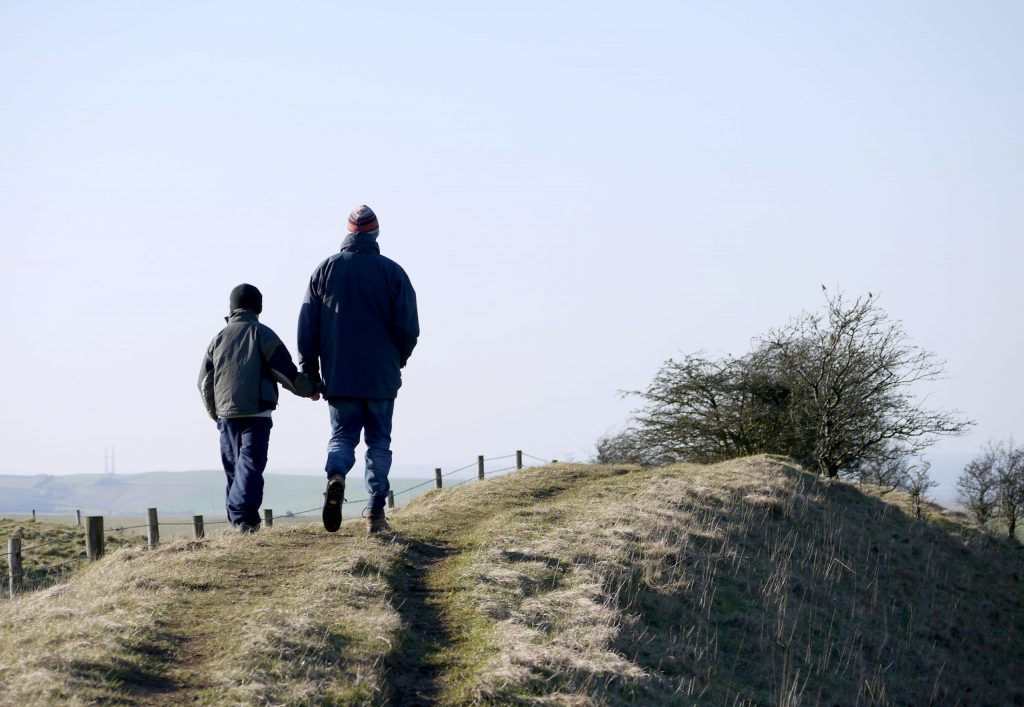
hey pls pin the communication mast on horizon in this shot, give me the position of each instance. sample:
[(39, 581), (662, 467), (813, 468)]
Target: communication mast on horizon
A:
[(108, 460)]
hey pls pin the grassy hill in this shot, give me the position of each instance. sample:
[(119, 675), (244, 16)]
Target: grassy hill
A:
[(749, 582)]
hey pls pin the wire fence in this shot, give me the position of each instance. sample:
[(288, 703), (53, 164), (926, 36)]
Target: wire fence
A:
[(63, 538), (21, 580), (41, 577)]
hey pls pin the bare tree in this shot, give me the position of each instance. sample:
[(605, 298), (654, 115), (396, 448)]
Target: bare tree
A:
[(888, 471), (853, 372), (834, 390), (702, 410), (624, 447), (918, 483), (1009, 471), (979, 486)]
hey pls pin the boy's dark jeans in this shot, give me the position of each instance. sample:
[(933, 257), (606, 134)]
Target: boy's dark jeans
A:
[(243, 452)]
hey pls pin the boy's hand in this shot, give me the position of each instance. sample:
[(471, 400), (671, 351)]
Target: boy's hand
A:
[(319, 383)]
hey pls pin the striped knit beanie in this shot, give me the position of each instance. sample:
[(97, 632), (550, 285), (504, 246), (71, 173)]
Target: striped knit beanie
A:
[(363, 220)]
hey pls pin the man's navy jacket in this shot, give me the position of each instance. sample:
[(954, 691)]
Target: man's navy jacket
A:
[(358, 323)]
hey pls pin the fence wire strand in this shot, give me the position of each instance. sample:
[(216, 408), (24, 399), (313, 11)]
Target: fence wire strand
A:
[(59, 564), (461, 468), (413, 488), (68, 536), (543, 461)]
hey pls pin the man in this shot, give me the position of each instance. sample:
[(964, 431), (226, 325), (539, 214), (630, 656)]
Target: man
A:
[(357, 328), (238, 382)]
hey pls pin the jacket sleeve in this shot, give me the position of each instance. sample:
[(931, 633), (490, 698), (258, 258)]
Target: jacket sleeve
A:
[(405, 325), (279, 361), (206, 383), (309, 330)]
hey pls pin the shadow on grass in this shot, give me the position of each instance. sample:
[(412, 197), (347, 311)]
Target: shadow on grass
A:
[(413, 666), (142, 677), (839, 597)]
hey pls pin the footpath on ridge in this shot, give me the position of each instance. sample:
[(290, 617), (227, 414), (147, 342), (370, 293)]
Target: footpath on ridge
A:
[(745, 582), (287, 615)]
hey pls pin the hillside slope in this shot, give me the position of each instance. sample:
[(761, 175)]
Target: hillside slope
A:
[(749, 582)]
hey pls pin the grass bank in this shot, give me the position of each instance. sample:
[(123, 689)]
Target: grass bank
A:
[(749, 582)]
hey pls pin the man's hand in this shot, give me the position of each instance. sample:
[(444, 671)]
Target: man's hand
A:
[(315, 396)]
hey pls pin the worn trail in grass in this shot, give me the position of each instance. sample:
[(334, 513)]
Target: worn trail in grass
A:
[(431, 535), (414, 665), (289, 615), (213, 619)]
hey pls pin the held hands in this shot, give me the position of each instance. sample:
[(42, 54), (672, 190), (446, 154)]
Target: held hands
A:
[(319, 389)]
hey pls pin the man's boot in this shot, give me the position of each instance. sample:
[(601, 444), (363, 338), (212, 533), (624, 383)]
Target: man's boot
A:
[(376, 521), (334, 497)]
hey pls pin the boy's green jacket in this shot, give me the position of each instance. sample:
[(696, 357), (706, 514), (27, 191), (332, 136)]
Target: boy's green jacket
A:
[(242, 367)]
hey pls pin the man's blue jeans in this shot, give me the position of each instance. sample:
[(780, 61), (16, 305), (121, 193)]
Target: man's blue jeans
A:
[(350, 417), (243, 452)]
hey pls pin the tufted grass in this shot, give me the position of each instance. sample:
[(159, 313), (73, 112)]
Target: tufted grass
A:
[(747, 582)]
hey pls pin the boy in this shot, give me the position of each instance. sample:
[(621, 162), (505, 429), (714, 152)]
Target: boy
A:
[(238, 381)]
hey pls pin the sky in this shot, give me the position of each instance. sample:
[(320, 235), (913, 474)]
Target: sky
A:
[(577, 190)]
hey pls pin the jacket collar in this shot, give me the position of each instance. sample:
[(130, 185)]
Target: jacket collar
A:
[(242, 315), (359, 243)]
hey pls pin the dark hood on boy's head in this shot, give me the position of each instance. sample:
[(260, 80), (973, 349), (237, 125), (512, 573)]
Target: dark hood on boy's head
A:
[(246, 296)]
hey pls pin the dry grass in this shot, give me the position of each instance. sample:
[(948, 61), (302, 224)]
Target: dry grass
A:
[(749, 582), (51, 550), (283, 616)]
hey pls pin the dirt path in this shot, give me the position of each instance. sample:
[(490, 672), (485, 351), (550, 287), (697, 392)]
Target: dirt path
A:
[(209, 620), (291, 615), (219, 603), (416, 665), (210, 612)]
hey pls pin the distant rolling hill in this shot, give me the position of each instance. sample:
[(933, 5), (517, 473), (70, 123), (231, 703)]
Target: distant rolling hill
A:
[(173, 492)]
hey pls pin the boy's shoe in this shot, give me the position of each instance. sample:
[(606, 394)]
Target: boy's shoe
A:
[(247, 529), (334, 497), (376, 521)]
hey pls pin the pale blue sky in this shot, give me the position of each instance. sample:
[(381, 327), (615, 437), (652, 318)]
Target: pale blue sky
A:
[(577, 190)]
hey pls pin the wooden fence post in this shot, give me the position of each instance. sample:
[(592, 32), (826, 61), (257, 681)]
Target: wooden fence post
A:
[(519, 459), (268, 517), (437, 477), (153, 531), (391, 498), (33, 515), (94, 537), (14, 563), (480, 467), (197, 527), (78, 518)]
